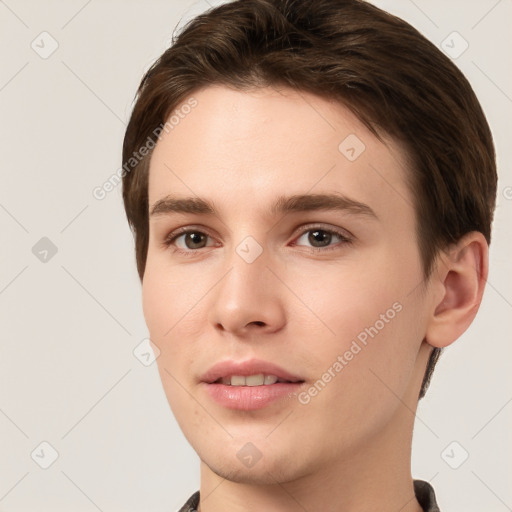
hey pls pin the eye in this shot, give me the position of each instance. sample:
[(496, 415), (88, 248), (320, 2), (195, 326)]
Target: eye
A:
[(320, 238), (187, 240)]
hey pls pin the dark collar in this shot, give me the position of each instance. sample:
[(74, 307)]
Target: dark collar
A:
[(424, 494)]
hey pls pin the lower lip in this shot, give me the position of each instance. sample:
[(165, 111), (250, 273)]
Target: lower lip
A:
[(249, 398)]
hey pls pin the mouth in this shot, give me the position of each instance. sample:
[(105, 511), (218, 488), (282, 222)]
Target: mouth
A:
[(251, 384), (251, 372), (258, 379)]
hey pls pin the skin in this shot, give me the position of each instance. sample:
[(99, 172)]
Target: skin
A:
[(349, 448)]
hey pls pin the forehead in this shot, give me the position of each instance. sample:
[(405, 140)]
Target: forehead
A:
[(247, 147)]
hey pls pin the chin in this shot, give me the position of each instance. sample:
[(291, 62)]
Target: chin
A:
[(262, 473)]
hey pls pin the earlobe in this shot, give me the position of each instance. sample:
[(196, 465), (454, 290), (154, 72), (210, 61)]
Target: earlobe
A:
[(462, 272)]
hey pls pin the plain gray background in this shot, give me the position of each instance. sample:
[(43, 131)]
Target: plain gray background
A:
[(71, 319)]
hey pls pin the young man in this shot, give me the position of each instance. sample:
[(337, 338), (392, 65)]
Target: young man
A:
[(311, 187)]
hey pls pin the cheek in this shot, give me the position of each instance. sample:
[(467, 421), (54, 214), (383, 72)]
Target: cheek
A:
[(386, 346), (164, 305), (347, 301), (167, 295), (173, 303), (372, 362), (156, 306), (375, 325)]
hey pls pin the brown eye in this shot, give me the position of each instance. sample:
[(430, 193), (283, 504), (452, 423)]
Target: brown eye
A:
[(194, 240), (319, 238), (187, 240)]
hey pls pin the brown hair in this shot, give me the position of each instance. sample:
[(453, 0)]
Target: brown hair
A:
[(391, 77)]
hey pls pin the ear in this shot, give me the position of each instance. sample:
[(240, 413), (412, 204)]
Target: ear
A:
[(461, 273)]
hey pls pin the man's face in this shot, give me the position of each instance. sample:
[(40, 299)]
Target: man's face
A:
[(334, 297)]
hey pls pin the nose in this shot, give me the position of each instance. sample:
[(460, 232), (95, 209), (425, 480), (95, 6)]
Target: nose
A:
[(249, 298)]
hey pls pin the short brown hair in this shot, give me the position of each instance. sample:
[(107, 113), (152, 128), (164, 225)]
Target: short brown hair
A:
[(390, 76)]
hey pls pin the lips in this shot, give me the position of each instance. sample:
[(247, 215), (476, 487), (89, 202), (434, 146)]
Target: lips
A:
[(251, 385), (225, 370)]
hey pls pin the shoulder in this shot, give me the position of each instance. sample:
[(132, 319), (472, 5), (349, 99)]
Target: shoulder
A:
[(191, 504), (426, 496)]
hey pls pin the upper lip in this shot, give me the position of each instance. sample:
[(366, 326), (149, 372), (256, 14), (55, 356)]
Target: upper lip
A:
[(248, 367)]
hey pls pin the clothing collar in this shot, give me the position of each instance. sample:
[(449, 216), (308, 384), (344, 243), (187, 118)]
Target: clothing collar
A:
[(423, 490)]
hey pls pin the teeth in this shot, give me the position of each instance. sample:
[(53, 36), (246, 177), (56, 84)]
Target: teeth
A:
[(238, 380), (252, 380), (249, 380), (270, 379)]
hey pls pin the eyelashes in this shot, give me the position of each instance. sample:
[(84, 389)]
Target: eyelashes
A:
[(317, 233)]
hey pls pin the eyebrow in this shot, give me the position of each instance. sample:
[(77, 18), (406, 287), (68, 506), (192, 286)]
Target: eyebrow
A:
[(283, 205)]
